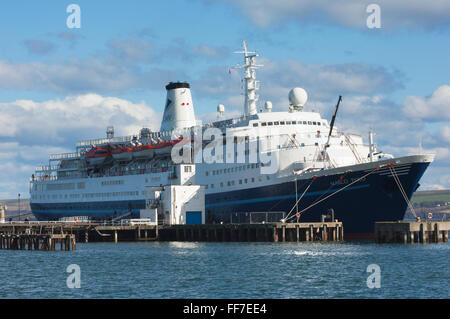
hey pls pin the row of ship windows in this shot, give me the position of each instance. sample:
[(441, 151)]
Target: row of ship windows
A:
[(234, 169), (113, 182), (58, 187), (87, 195), (287, 123), (240, 182)]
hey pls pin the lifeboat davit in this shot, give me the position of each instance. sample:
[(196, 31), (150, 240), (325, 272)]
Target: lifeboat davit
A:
[(97, 155), (143, 151), (122, 153)]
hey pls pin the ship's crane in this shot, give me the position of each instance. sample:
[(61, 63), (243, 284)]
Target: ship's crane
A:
[(327, 144)]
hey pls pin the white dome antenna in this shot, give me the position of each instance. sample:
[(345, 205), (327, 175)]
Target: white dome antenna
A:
[(297, 98), (220, 111)]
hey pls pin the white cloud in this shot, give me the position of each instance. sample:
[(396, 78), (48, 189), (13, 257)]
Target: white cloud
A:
[(445, 133), (434, 108), (57, 120), (30, 131), (40, 47), (131, 50), (210, 51), (73, 75), (413, 14), (322, 81)]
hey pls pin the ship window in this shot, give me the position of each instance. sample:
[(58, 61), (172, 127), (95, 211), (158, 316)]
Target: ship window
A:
[(206, 173), (255, 124), (309, 123), (206, 186), (212, 185), (240, 181), (270, 123), (263, 124), (314, 123), (276, 123), (268, 177), (221, 184), (288, 122), (282, 123), (304, 122), (318, 123), (245, 181), (188, 169), (293, 122), (253, 179)]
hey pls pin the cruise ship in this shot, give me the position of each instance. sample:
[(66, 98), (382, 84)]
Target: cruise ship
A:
[(290, 166)]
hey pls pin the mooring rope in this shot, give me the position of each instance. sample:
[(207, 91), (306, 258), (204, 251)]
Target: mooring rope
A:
[(304, 192), (402, 190), (332, 194)]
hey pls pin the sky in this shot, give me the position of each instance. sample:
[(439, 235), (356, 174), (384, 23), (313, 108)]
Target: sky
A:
[(60, 85)]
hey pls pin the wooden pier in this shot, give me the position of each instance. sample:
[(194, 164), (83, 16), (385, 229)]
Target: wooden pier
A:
[(412, 232), (46, 235), (37, 242), (53, 232), (270, 232)]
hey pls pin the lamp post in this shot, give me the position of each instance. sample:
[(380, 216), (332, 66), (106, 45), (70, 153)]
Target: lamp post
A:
[(19, 207)]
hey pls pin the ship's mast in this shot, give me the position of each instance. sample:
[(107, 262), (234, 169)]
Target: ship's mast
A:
[(250, 83)]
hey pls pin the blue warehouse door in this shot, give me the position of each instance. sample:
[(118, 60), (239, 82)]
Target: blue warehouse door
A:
[(193, 218)]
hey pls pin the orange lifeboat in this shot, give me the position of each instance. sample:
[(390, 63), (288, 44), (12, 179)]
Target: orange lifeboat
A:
[(122, 153), (97, 155), (143, 151)]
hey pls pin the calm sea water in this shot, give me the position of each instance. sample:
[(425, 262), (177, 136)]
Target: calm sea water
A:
[(229, 270)]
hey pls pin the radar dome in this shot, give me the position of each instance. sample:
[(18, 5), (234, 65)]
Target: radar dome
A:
[(298, 97), (220, 108)]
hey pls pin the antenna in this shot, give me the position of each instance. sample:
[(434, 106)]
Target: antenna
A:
[(250, 85)]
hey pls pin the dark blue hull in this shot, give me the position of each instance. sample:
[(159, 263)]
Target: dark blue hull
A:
[(359, 206), (375, 198)]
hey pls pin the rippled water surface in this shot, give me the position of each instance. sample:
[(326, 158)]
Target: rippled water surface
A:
[(229, 270)]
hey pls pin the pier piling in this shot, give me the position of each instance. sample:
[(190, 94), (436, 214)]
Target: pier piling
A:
[(412, 232)]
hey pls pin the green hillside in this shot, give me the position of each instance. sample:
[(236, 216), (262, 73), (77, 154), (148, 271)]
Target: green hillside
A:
[(431, 197)]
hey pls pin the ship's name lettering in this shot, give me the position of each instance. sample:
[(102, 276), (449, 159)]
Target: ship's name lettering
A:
[(345, 181)]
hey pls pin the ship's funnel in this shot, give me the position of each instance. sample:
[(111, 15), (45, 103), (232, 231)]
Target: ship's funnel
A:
[(179, 110)]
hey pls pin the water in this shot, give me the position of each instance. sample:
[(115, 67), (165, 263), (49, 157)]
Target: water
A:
[(229, 270)]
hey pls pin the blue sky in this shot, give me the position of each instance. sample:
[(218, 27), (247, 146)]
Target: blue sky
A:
[(61, 85)]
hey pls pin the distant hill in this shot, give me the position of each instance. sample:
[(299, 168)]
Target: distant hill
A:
[(431, 196), (435, 202)]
